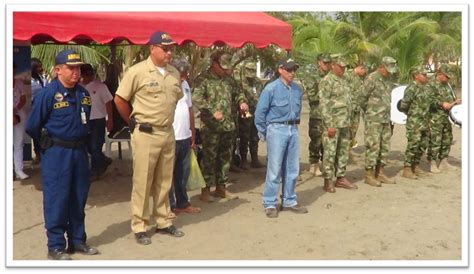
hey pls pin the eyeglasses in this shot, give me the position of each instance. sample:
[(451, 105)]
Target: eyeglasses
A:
[(166, 48), (293, 70)]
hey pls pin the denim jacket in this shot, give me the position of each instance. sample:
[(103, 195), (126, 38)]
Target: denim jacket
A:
[(278, 103)]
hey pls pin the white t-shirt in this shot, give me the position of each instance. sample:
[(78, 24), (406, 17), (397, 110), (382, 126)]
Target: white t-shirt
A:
[(100, 95), (181, 124)]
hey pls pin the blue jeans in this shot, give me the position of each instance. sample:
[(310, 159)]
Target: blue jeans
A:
[(96, 142), (180, 175), (283, 150)]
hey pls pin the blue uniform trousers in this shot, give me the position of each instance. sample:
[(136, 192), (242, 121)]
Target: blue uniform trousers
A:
[(65, 174)]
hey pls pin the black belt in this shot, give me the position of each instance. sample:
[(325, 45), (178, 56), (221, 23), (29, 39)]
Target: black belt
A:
[(294, 122), (68, 144)]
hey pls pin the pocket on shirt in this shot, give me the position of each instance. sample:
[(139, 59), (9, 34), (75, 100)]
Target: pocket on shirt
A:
[(281, 107)]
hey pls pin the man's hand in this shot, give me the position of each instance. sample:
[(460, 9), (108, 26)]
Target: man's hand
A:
[(331, 132), (446, 105), (218, 115), (458, 101), (244, 107)]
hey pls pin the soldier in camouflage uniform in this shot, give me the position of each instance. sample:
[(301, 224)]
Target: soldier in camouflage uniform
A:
[(336, 108), (441, 134), (215, 97), (252, 88), (375, 103), (315, 126), (355, 78), (416, 104)]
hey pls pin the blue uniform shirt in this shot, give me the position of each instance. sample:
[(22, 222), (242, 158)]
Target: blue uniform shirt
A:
[(59, 111), (278, 103)]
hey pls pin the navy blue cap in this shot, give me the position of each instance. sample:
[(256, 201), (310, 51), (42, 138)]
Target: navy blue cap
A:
[(68, 57), (161, 38), (287, 63)]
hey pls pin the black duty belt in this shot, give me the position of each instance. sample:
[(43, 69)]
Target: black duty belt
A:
[(68, 144), (294, 122)]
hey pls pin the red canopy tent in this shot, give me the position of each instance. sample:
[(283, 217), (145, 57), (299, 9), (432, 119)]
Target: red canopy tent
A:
[(204, 28)]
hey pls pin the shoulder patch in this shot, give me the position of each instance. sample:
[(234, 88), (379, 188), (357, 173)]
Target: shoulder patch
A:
[(60, 105), (86, 100)]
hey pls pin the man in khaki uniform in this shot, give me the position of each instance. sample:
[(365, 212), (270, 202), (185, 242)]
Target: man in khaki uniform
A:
[(152, 87)]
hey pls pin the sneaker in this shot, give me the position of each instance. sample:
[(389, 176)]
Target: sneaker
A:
[(271, 212), (21, 175), (83, 249)]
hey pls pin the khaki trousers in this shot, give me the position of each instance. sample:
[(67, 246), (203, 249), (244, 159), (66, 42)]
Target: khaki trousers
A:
[(153, 163)]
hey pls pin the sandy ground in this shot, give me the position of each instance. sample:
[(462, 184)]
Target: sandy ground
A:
[(412, 220)]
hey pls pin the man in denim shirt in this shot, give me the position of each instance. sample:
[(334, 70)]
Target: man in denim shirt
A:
[(277, 117)]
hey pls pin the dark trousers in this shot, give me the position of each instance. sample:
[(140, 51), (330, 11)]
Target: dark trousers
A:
[(65, 175), (96, 142), (178, 195)]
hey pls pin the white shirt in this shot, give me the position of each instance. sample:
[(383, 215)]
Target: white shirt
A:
[(182, 124), (100, 95)]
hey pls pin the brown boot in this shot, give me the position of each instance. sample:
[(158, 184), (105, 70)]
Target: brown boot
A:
[(434, 167), (445, 166), (418, 171), (344, 183), (408, 173), (381, 176), (222, 192), (370, 178), (329, 186), (206, 195)]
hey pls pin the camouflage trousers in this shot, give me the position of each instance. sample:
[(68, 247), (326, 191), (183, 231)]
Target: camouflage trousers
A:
[(417, 143), (441, 138), (377, 144), (315, 132), (248, 138), (355, 119), (336, 153), (217, 154)]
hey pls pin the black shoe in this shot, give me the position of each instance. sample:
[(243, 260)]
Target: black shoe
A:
[(83, 249), (58, 254), (296, 209), (142, 238), (170, 230)]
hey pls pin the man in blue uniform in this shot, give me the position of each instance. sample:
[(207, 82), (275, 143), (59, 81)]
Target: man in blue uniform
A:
[(60, 121)]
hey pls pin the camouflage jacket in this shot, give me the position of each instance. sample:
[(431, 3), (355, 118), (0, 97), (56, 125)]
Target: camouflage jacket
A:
[(252, 92), (357, 88), (376, 98), (416, 104), (440, 93), (335, 101), (313, 95), (218, 94)]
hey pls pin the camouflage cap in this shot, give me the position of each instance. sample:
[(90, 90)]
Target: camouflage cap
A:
[(390, 64), (325, 57), (223, 59), (446, 70), (339, 59), (418, 70)]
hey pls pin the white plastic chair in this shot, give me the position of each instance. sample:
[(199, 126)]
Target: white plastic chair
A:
[(122, 136)]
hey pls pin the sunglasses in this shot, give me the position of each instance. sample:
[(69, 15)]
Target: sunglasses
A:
[(166, 48)]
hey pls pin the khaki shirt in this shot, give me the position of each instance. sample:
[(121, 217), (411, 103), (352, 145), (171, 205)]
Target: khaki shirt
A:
[(153, 97)]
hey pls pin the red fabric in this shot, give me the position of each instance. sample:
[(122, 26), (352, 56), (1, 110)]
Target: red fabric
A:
[(204, 28)]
